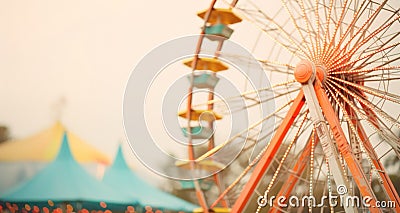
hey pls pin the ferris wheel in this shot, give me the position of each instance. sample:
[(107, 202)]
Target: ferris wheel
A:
[(333, 69)]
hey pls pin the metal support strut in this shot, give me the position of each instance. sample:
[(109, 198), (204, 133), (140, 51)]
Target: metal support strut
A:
[(305, 73)]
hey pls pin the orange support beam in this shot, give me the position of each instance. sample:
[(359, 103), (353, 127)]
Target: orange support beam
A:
[(344, 147), (297, 171), (387, 182), (269, 154), (211, 142), (199, 193)]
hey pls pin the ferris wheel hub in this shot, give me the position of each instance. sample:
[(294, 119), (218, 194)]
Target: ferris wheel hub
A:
[(306, 70), (321, 73)]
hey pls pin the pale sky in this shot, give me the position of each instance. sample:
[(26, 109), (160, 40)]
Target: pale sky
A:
[(83, 52)]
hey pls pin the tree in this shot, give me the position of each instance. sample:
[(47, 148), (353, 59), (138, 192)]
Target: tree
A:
[(4, 134)]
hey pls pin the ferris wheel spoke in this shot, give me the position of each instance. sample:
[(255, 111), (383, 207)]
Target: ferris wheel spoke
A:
[(362, 30), (336, 50), (242, 174), (383, 130), (372, 120), (384, 79), (381, 50), (392, 60), (375, 161), (297, 27), (256, 140), (382, 127), (277, 64), (375, 92), (271, 149), (331, 44), (246, 170), (344, 148), (370, 20), (326, 26), (356, 47), (365, 71), (386, 54), (283, 94), (374, 123), (382, 63), (273, 66), (257, 95), (256, 101), (371, 155), (368, 104), (347, 118), (295, 174), (230, 140), (267, 25), (317, 25), (308, 27), (295, 137)]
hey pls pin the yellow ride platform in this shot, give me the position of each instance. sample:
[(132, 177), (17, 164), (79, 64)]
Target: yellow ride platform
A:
[(198, 114), (220, 16), (212, 64), (208, 165)]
